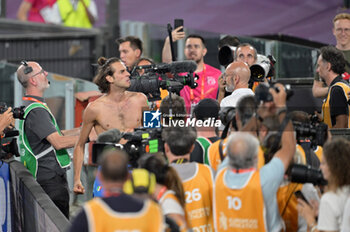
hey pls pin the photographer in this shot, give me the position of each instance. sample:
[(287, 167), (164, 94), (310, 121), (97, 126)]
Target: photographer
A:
[(236, 118), (241, 183), (197, 179), (236, 76), (6, 120), (330, 66), (40, 138), (334, 166)]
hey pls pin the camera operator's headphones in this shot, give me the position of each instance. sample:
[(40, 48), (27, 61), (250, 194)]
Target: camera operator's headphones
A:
[(27, 68), (141, 181)]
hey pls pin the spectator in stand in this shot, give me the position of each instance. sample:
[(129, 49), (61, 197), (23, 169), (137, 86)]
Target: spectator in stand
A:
[(40, 11), (341, 32)]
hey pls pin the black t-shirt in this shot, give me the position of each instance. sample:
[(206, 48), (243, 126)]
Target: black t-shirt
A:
[(121, 204), (38, 125), (337, 100), (197, 154)]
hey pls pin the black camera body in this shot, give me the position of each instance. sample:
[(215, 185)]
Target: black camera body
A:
[(262, 92), (306, 174), (316, 132), (18, 112), (141, 141), (156, 77)]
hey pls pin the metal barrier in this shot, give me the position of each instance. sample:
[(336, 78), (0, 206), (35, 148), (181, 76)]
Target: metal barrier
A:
[(31, 208)]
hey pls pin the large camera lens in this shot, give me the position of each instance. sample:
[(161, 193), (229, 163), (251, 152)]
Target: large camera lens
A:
[(306, 174)]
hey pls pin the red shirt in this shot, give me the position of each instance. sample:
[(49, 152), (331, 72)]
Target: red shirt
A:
[(37, 5)]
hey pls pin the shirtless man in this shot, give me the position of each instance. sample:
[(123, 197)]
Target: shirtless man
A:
[(117, 108)]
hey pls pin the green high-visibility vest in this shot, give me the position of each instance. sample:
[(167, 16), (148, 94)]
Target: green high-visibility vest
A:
[(28, 158), (74, 17), (204, 143)]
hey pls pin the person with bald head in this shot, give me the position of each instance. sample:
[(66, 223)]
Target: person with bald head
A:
[(236, 76), (40, 138)]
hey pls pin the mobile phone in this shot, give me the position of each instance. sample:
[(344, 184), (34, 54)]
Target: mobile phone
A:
[(178, 23), (300, 195)]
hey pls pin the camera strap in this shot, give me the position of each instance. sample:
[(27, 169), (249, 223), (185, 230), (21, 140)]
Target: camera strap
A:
[(221, 152), (277, 141)]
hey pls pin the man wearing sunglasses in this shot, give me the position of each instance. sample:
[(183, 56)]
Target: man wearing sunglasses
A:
[(41, 141)]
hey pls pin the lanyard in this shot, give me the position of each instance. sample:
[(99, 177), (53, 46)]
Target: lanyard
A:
[(240, 171), (33, 99), (202, 85), (161, 193)]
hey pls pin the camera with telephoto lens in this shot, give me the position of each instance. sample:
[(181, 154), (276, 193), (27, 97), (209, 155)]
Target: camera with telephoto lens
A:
[(306, 174), (264, 67), (141, 141), (18, 112), (172, 77), (262, 92)]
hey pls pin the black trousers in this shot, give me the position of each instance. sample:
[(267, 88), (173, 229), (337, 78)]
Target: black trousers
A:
[(57, 189)]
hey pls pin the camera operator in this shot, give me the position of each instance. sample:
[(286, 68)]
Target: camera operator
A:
[(6, 120), (334, 166), (117, 108), (40, 138), (130, 50), (335, 109)]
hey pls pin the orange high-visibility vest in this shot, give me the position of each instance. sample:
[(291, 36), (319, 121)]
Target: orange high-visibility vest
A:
[(239, 209)]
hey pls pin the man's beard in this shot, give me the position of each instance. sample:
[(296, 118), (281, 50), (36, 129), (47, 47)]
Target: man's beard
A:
[(229, 88)]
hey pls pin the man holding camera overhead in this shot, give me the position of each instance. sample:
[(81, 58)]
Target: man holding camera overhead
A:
[(42, 143)]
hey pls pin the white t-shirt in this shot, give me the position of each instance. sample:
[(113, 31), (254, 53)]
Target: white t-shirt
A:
[(170, 206), (236, 95), (345, 226), (331, 209)]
